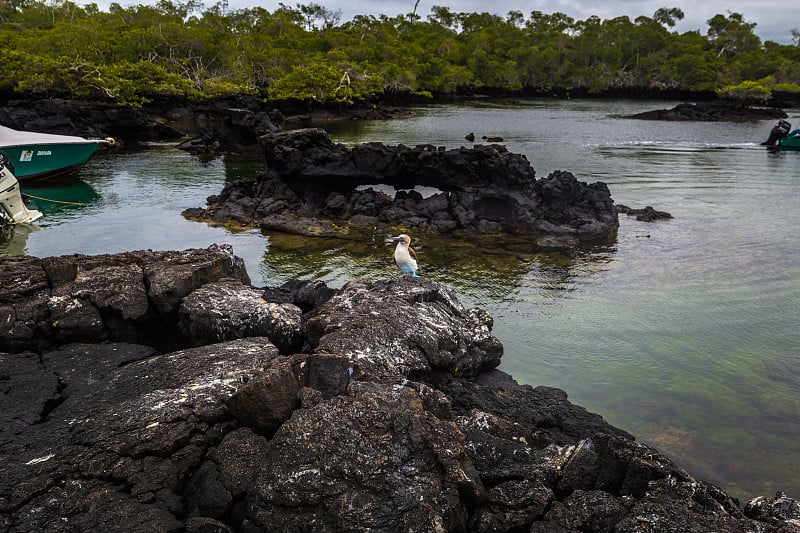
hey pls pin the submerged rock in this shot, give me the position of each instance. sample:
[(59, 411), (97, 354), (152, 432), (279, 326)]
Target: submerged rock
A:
[(392, 418), (646, 214), (318, 188)]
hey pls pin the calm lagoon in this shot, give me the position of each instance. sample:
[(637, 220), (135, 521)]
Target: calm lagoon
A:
[(684, 332)]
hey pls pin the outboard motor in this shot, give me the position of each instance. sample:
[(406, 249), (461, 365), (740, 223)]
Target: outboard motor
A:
[(12, 208), (779, 131), (6, 162)]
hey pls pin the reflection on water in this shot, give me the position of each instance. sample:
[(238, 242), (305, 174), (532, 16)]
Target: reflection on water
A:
[(14, 238), (683, 332), (478, 275), (133, 199), (60, 198)]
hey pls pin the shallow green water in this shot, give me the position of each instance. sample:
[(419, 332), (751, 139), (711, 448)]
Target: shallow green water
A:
[(683, 332)]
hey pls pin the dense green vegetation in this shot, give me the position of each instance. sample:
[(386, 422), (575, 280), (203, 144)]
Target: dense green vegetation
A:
[(132, 54)]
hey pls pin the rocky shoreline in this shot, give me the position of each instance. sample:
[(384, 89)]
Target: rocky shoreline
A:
[(159, 391), (712, 112), (224, 124), (233, 124)]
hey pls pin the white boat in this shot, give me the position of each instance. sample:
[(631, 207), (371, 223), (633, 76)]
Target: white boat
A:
[(45, 155)]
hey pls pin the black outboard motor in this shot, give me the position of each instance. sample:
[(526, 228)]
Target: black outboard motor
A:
[(778, 132)]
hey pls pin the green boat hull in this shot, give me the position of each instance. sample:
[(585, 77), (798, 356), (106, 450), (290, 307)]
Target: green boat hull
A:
[(791, 141), (48, 160)]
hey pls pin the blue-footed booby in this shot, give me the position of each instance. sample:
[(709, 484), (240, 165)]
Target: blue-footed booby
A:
[(404, 256)]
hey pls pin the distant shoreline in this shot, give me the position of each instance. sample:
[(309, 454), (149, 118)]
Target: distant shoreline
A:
[(176, 117)]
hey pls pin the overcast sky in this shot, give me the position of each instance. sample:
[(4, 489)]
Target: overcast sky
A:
[(775, 19)]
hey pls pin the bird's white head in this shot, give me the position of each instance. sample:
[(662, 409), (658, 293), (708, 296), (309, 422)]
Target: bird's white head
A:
[(403, 238)]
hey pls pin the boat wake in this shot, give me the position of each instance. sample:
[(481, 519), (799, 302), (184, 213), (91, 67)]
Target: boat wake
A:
[(672, 147)]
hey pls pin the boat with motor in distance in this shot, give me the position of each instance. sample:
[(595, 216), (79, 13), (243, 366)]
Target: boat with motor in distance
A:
[(782, 137), (45, 155), (791, 141)]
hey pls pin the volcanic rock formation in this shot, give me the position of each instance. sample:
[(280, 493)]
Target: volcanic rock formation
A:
[(392, 416), (316, 187)]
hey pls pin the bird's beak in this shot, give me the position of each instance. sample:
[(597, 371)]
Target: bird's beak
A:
[(393, 239)]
